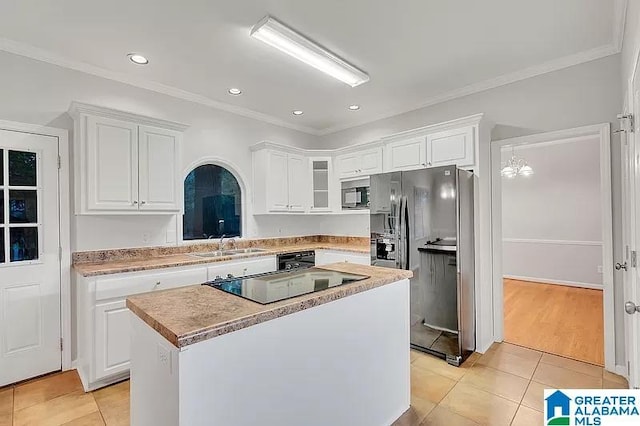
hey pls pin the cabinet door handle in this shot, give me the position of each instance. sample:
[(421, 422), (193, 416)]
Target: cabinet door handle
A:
[(157, 284), (134, 203)]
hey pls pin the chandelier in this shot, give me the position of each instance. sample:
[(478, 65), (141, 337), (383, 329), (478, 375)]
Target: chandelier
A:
[(515, 167)]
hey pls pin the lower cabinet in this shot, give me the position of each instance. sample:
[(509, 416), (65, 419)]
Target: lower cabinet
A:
[(324, 257), (103, 320), (112, 338)]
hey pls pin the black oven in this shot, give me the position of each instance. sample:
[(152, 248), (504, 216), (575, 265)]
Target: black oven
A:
[(296, 260)]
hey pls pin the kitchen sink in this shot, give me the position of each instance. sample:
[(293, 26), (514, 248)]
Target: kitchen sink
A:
[(219, 253), (244, 250)]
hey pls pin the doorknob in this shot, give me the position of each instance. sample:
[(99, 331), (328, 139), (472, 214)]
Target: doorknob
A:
[(631, 308), (621, 266)]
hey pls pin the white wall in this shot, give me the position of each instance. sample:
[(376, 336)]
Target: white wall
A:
[(40, 93), (551, 221), (584, 94)]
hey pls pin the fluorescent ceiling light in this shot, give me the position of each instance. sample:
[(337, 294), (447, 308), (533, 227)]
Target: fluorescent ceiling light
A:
[(281, 37)]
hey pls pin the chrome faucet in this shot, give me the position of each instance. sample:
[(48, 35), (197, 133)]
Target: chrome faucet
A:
[(221, 243)]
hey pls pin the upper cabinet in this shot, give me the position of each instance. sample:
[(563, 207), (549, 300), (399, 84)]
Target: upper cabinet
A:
[(456, 146), (321, 182), (406, 154), (362, 162), (280, 181), (288, 179), (125, 163)]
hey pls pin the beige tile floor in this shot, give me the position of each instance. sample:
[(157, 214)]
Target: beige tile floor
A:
[(502, 387)]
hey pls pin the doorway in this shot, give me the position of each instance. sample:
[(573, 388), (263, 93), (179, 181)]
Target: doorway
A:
[(30, 261), (552, 230)]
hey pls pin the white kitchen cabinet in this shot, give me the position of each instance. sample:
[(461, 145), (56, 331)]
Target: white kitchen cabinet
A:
[(321, 184), (406, 154), (112, 164), (456, 146), (281, 182), (125, 163), (103, 318), (359, 163), (297, 182), (324, 257), (112, 338), (159, 177), (277, 180)]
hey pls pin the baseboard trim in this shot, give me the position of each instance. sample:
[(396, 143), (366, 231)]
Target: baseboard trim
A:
[(556, 282), (621, 370)]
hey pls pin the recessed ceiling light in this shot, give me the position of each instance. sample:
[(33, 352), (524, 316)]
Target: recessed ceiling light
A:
[(137, 58), (354, 107), (298, 112), (235, 91), (287, 40)]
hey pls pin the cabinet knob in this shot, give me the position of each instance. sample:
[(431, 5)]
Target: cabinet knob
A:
[(157, 284), (143, 202), (134, 203)]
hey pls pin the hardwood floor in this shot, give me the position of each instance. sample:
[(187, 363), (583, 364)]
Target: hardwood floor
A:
[(561, 320)]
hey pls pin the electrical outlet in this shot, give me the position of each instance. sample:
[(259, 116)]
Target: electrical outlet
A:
[(600, 269), (164, 357)]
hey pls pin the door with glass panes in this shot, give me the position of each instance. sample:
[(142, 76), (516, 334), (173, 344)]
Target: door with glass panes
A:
[(29, 256)]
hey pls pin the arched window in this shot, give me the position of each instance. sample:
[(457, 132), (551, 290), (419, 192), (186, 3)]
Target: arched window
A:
[(212, 204)]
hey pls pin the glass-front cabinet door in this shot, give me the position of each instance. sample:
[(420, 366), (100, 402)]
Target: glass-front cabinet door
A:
[(320, 183)]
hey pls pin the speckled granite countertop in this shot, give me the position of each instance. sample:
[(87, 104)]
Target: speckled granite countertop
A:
[(189, 315), (90, 264)]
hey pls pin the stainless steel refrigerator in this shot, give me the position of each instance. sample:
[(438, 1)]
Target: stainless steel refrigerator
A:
[(422, 220)]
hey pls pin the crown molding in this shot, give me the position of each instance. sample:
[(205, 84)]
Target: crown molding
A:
[(78, 108), (503, 80), (456, 123), (47, 56), (43, 55)]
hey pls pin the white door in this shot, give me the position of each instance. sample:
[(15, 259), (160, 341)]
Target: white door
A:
[(29, 262), (451, 147), (112, 169), (632, 279), (277, 185), (297, 183), (159, 154)]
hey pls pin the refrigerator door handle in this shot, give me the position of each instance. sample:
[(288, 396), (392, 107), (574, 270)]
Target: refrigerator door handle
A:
[(403, 234), (398, 235)]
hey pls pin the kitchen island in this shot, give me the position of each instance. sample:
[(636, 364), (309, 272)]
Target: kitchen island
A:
[(340, 356)]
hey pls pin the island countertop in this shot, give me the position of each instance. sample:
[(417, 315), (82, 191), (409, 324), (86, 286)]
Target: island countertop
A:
[(189, 315)]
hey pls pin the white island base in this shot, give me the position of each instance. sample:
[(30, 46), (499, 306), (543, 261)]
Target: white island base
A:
[(341, 363)]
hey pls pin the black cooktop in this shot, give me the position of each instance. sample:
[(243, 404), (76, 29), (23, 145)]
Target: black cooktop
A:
[(275, 286)]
